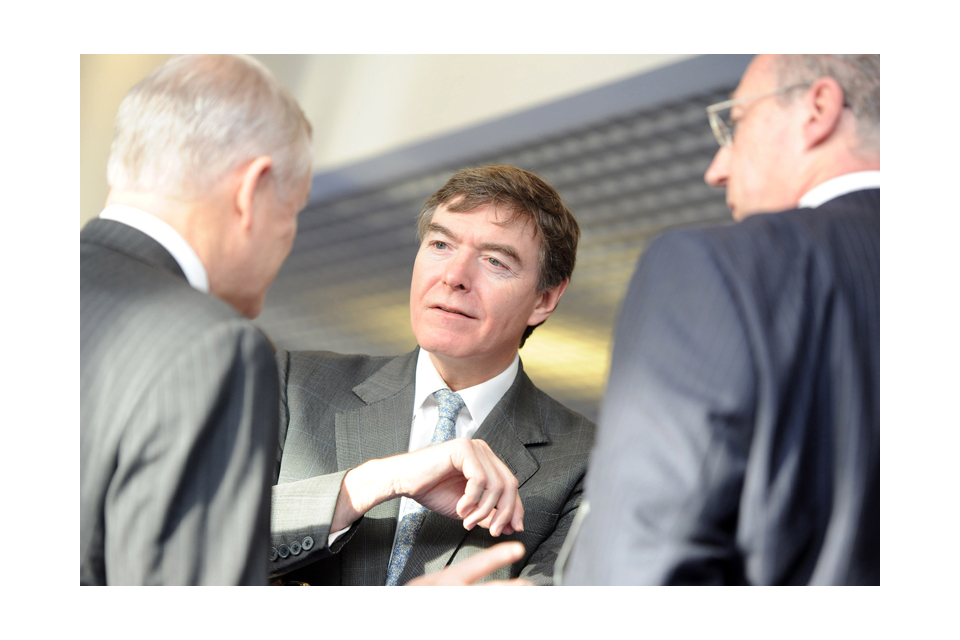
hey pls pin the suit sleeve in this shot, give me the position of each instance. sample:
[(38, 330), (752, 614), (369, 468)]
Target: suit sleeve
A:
[(665, 477), (189, 501), (301, 512)]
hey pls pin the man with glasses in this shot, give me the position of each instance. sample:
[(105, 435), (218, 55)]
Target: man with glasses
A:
[(739, 437)]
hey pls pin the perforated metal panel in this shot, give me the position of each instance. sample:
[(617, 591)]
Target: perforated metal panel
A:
[(346, 284)]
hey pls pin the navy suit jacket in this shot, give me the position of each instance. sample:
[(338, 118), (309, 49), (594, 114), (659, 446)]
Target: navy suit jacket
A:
[(739, 438)]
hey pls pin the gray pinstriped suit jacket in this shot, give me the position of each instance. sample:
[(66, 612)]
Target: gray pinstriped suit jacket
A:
[(739, 437), (178, 422), (338, 411)]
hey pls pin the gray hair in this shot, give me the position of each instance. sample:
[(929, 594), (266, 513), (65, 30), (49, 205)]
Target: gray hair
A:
[(194, 119), (857, 75)]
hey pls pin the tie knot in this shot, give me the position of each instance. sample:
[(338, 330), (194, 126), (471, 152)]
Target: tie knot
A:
[(449, 403)]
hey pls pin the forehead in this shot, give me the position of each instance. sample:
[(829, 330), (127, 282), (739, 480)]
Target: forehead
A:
[(485, 220), (760, 76)]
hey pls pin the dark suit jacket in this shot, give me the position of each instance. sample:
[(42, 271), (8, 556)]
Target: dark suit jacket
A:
[(178, 422), (338, 411), (739, 438)]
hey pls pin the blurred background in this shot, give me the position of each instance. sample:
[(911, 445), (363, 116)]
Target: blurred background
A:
[(623, 138)]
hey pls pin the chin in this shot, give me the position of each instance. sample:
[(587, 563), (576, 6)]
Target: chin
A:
[(249, 309), (449, 347), (439, 348)]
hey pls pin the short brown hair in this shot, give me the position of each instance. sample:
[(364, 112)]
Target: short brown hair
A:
[(523, 195)]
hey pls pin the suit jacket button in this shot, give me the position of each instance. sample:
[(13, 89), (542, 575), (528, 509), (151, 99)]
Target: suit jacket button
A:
[(273, 554), (307, 543), (295, 548), (283, 550)]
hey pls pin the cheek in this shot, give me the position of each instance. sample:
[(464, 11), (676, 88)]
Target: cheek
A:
[(513, 306), (425, 273), (748, 172), (418, 285)]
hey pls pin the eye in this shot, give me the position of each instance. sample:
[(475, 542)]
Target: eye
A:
[(499, 266), (439, 244)]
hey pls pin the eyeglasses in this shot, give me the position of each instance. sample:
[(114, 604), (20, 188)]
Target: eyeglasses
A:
[(719, 114)]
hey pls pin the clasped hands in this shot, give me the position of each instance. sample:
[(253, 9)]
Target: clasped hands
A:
[(460, 478)]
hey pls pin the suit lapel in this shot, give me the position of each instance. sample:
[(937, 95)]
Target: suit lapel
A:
[(513, 424), (378, 429)]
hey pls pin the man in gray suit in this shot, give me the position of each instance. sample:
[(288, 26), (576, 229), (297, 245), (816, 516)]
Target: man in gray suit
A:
[(361, 498), (210, 163), (739, 438)]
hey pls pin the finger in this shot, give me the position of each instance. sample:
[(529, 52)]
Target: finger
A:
[(508, 499), (475, 504), (465, 460), (506, 506), (488, 521), (494, 470), (516, 522), (480, 565)]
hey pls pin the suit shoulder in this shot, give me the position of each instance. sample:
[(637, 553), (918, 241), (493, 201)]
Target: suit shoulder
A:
[(557, 419), (771, 246), (309, 367), (137, 309), (805, 227), (562, 412)]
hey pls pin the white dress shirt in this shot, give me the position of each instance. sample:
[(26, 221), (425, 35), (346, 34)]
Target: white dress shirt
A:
[(839, 186), (168, 238), (478, 400)]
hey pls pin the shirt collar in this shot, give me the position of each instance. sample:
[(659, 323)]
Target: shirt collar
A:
[(839, 186), (168, 238), (479, 400)]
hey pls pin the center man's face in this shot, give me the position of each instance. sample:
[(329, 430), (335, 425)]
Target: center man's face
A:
[(474, 288)]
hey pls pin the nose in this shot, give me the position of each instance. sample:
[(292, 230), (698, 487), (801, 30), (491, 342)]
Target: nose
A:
[(456, 271), (716, 175)]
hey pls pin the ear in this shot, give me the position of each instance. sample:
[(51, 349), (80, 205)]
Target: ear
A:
[(547, 303), (252, 178), (824, 106)]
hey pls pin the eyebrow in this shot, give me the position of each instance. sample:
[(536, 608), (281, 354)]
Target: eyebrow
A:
[(505, 249)]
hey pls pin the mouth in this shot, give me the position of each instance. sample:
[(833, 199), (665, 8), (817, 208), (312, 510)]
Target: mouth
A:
[(452, 310)]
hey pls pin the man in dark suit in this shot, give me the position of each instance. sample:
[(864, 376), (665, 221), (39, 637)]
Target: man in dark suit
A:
[(739, 437), (361, 498), (210, 163)]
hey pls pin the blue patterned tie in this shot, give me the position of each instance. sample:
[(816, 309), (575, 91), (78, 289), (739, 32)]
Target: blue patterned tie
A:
[(449, 404)]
